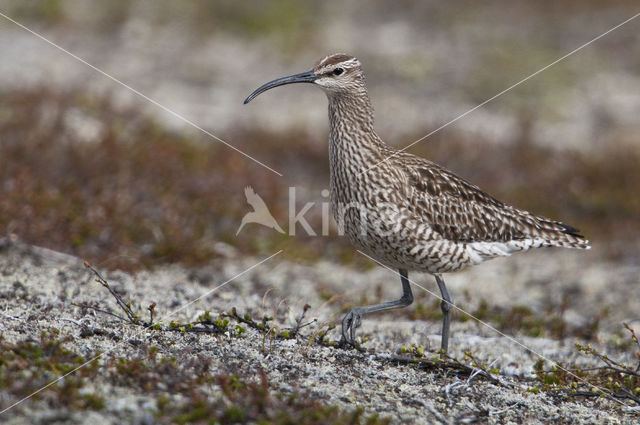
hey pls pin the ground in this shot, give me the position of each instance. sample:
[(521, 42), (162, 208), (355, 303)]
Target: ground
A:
[(142, 375), (92, 171)]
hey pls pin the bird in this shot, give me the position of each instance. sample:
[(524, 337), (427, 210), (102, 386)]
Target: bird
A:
[(405, 211), (260, 213)]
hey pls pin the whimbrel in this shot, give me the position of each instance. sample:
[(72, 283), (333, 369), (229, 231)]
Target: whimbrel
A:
[(404, 211)]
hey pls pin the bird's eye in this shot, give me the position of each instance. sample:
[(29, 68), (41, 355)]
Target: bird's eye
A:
[(338, 71)]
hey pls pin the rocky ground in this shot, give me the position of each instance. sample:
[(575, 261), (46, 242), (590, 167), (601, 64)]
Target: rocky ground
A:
[(51, 324), (92, 168)]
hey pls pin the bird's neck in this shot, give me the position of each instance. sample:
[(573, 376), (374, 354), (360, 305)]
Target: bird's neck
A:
[(351, 123)]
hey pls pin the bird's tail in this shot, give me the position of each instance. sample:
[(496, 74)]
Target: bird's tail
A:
[(565, 236)]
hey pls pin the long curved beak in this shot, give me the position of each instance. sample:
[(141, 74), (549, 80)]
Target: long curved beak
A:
[(303, 77)]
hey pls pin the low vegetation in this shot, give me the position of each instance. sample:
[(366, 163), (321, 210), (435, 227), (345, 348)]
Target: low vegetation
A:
[(30, 364), (183, 391), (611, 379), (108, 184)]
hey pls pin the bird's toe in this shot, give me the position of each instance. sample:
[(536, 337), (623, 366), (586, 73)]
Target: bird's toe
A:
[(350, 323)]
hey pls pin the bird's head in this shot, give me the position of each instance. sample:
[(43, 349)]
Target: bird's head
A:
[(335, 74)]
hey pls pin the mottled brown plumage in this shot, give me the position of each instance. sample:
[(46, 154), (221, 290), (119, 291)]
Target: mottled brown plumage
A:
[(407, 212)]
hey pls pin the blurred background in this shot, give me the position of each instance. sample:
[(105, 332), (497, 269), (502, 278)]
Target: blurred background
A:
[(90, 168)]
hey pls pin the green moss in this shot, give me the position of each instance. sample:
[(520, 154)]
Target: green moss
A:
[(93, 401), (27, 366), (285, 334), (197, 412), (234, 414), (222, 323)]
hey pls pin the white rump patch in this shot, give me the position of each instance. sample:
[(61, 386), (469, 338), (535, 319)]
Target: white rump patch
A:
[(482, 251)]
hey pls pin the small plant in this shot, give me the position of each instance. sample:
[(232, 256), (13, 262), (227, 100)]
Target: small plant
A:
[(444, 363), (414, 350), (205, 322), (614, 380)]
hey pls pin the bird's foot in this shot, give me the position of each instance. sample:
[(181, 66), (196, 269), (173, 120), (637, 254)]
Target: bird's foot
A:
[(350, 323)]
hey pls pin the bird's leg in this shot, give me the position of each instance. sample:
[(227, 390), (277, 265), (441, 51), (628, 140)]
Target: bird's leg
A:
[(353, 318), (446, 306)]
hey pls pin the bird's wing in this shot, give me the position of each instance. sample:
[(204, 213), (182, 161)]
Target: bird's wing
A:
[(255, 200), (462, 212)]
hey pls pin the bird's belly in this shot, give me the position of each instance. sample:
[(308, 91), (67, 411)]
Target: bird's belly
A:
[(390, 235)]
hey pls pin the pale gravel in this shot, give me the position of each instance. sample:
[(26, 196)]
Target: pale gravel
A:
[(38, 285)]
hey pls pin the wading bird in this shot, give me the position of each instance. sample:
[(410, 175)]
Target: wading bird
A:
[(404, 211)]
